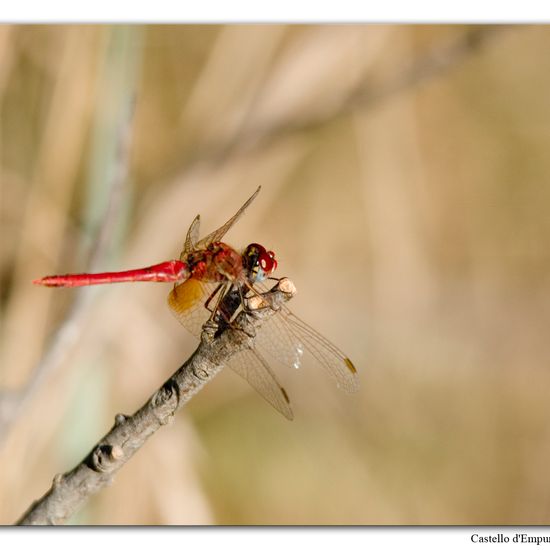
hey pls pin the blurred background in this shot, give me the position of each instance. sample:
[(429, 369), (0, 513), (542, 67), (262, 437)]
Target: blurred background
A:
[(404, 191)]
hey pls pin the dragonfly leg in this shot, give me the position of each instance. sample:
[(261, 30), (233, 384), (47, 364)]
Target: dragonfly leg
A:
[(210, 298), (230, 301), (258, 295), (211, 326), (211, 322), (218, 309)]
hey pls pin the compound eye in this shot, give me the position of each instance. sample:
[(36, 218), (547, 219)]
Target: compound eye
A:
[(267, 261), (273, 260)]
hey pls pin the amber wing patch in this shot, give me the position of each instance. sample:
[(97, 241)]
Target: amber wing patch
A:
[(187, 304)]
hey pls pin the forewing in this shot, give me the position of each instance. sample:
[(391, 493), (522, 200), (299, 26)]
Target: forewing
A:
[(219, 233), (338, 365), (254, 369), (285, 337)]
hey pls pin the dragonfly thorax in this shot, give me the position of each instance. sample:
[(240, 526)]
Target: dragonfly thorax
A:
[(218, 262)]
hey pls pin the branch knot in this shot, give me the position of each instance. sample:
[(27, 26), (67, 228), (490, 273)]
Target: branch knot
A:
[(162, 398), (104, 457)]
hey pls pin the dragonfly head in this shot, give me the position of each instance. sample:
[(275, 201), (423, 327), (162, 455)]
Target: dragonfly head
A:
[(258, 262)]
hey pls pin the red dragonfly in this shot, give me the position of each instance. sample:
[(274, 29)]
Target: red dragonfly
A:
[(209, 269)]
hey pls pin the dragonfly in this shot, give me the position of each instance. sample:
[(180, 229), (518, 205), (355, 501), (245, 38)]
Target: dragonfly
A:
[(213, 282)]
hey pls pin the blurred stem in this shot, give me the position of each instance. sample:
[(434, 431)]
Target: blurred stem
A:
[(111, 136), (108, 173)]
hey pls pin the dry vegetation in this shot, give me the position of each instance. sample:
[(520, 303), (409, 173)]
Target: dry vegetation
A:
[(415, 226)]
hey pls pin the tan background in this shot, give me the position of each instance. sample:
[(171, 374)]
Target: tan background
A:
[(415, 226)]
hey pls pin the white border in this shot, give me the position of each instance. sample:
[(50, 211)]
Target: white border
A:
[(255, 11), (253, 538)]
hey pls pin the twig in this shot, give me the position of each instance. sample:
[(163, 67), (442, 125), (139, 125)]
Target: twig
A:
[(70, 491)]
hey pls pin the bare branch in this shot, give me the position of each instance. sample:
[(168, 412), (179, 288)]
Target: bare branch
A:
[(70, 491)]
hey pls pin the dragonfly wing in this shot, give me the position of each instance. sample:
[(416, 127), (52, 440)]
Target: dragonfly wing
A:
[(186, 302), (286, 337), (219, 233), (275, 338), (254, 369), (329, 356), (192, 236)]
